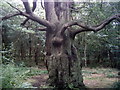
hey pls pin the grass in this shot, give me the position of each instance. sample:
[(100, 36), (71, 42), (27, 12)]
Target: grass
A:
[(15, 76), (93, 78), (105, 71), (35, 71), (99, 77)]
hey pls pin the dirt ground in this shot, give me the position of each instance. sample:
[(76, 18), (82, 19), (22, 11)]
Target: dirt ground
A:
[(99, 81), (92, 79)]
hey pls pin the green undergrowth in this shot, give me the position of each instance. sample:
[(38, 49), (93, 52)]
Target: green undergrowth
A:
[(13, 76), (116, 85), (101, 77), (108, 72)]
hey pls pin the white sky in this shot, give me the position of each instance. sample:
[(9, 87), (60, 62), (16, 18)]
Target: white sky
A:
[(78, 0), (30, 1)]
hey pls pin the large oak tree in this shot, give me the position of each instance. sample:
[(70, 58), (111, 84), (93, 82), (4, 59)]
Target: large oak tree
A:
[(61, 60)]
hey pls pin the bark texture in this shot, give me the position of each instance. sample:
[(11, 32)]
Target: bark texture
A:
[(62, 61)]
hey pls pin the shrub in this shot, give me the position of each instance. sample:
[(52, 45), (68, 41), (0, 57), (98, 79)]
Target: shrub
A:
[(116, 85), (13, 77)]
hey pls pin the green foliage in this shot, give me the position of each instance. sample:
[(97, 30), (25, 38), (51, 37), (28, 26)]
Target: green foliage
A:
[(27, 44), (14, 76), (103, 46), (116, 85), (33, 72), (20, 43), (87, 72), (111, 75)]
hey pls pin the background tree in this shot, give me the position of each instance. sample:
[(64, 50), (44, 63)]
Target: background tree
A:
[(62, 61), (19, 43), (98, 43)]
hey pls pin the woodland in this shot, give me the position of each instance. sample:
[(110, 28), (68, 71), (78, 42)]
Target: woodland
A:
[(54, 44)]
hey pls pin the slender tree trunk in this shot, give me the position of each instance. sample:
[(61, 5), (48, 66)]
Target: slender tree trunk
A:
[(36, 56), (0, 46), (110, 54), (85, 50), (85, 55), (21, 51), (30, 47)]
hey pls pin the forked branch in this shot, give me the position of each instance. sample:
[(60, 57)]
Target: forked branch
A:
[(90, 28), (33, 8), (27, 6), (29, 15), (10, 15)]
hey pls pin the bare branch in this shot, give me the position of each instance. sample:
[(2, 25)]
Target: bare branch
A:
[(10, 15), (34, 7), (29, 16), (91, 28), (106, 22), (37, 19), (27, 6), (24, 22), (42, 29), (13, 7), (42, 5)]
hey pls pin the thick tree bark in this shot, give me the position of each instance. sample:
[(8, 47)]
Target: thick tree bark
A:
[(62, 61)]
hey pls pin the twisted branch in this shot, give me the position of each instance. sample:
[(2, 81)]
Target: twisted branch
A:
[(90, 28)]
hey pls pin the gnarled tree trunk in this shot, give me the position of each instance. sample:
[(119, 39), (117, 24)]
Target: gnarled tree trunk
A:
[(62, 61)]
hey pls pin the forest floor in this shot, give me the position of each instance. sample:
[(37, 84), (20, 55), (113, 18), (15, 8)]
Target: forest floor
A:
[(93, 78)]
